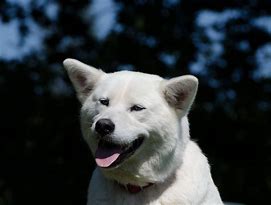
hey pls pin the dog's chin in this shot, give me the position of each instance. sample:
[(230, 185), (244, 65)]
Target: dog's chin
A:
[(111, 155)]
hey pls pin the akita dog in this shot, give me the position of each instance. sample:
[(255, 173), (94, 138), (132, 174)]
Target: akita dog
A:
[(137, 129)]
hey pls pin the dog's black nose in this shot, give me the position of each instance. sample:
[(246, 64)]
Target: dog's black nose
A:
[(104, 127)]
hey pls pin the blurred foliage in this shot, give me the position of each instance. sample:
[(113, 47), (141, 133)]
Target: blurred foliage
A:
[(43, 159)]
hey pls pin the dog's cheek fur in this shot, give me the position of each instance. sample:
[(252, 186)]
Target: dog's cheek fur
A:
[(173, 131), (87, 115), (168, 135)]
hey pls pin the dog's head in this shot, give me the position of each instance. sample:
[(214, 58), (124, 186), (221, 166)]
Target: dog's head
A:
[(135, 124)]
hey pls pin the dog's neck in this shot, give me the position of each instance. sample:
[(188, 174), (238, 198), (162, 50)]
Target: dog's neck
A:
[(134, 189)]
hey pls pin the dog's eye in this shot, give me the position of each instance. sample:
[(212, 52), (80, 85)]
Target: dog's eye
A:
[(137, 108), (104, 101)]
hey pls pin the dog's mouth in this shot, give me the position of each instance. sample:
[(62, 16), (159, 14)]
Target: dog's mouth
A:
[(109, 155)]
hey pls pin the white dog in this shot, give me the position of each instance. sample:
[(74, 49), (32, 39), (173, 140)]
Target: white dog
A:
[(137, 129)]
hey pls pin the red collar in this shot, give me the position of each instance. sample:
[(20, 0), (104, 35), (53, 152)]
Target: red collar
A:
[(134, 189)]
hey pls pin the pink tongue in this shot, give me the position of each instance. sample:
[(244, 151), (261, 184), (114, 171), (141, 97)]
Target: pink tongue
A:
[(105, 156)]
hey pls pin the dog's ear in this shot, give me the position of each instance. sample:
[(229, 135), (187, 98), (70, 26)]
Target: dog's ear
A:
[(83, 77), (181, 91)]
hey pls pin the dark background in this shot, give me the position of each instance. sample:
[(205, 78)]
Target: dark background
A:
[(225, 43)]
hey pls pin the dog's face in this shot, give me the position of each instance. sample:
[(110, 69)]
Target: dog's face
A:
[(134, 123)]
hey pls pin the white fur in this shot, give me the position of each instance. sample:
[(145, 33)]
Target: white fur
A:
[(167, 157)]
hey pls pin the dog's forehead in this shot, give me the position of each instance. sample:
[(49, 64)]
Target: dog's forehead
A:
[(127, 83)]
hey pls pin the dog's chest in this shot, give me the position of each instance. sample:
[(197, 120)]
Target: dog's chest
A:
[(107, 193)]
